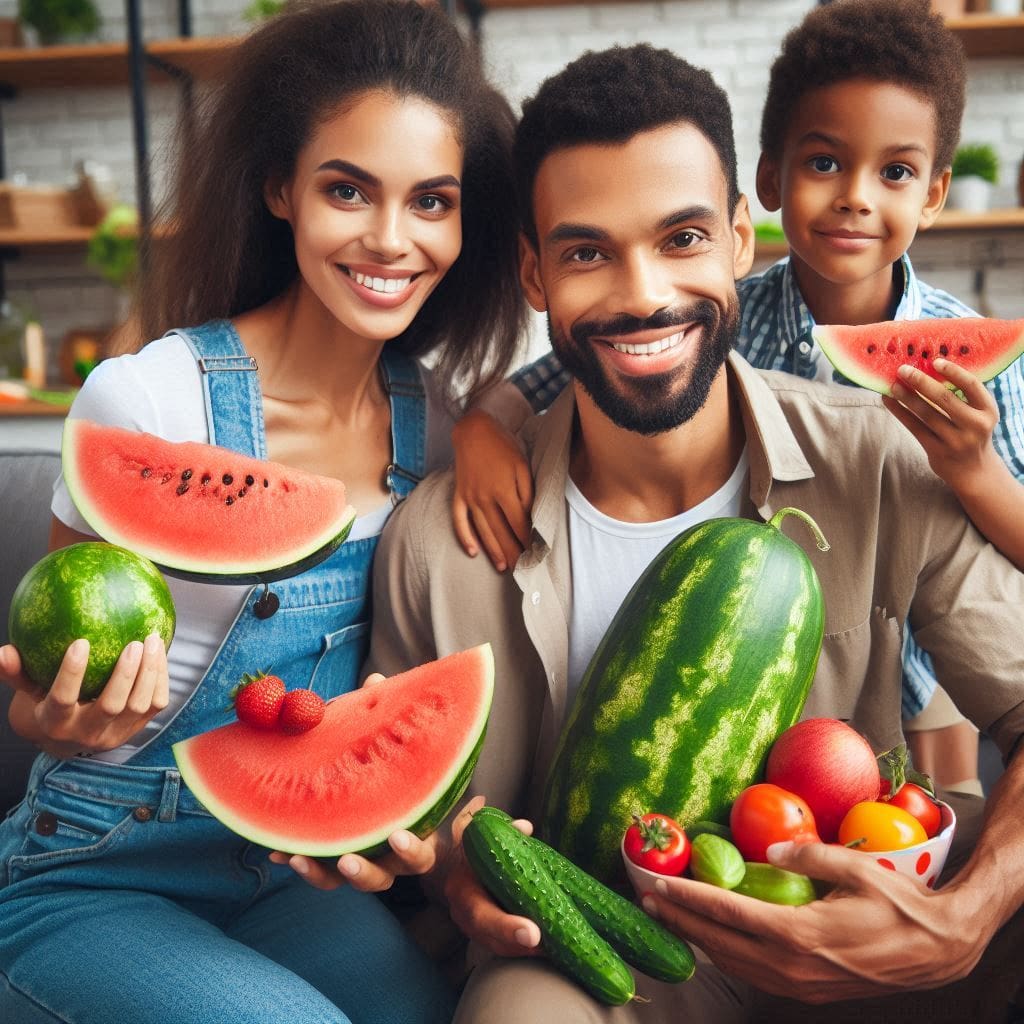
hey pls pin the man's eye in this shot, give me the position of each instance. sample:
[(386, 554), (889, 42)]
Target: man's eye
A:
[(586, 254), (684, 240), (824, 164), (897, 172)]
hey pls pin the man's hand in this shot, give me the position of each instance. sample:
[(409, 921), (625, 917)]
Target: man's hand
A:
[(493, 490), (57, 722), (875, 933), (472, 907)]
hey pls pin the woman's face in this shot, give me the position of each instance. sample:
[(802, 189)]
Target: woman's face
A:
[(374, 206)]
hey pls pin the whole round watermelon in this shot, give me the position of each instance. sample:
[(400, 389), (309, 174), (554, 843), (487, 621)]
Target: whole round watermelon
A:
[(107, 594)]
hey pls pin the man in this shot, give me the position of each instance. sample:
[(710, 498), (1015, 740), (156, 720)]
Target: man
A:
[(634, 236)]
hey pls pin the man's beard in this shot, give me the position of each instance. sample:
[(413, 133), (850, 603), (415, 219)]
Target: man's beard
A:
[(654, 403)]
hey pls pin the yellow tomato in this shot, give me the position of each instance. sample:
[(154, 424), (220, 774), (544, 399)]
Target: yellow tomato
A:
[(874, 826)]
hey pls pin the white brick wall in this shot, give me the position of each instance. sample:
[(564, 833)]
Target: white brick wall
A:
[(46, 131)]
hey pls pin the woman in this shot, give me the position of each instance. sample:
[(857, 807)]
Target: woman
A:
[(343, 204)]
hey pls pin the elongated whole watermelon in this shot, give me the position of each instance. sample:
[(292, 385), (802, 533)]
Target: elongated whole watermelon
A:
[(398, 754), (870, 354), (709, 658), (200, 511)]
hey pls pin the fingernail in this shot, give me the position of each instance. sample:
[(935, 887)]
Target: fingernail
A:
[(472, 552), (523, 937), (79, 651), (401, 840), (153, 643), (500, 566), (650, 906), (897, 390), (300, 865), (133, 653), (661, 887), (940, 363), (906, 372), (349, 866), (778, 851)]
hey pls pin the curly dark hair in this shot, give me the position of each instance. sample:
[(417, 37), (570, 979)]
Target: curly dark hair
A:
[(229, 254), (610, 96), (903, 43)]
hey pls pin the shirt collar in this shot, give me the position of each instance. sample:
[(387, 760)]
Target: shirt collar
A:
[(772, 447)]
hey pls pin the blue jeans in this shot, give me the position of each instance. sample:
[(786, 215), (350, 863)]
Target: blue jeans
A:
[(123, 900)]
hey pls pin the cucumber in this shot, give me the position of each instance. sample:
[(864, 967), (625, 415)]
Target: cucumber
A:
[(776, 885), (508, 867), (633, 934), (700, 828), (716, 861)]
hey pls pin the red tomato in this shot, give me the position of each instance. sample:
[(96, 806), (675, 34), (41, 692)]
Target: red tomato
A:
[(657, 843), (917, 801), (764, 814), (875, 826)]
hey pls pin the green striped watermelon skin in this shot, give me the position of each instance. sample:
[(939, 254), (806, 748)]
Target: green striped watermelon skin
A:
[(710, 657), (99, 591)]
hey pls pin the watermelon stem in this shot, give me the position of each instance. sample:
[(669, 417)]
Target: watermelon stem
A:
[(819, 537)]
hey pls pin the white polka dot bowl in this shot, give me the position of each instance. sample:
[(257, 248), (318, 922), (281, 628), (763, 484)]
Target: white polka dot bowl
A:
[(924, 861)]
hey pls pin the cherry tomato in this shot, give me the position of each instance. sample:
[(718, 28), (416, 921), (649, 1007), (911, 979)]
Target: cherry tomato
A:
[(875, 826), (918, 802), (764, 814), (657, 843)]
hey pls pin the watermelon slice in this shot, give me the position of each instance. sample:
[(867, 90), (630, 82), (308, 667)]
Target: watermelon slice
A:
[(870, 354), (202, 512), (398, 754)]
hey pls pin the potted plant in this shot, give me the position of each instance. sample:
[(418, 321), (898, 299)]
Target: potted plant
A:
[(259, 10), (975, 171), (59, 20)]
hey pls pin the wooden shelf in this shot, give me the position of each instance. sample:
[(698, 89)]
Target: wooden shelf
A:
[(107, 63), (990, 35)]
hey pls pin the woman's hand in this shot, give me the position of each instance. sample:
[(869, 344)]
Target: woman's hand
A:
[(493, 490), (56, 720)]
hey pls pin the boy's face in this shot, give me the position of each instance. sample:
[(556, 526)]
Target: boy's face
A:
[(636, 266), (855, 180)]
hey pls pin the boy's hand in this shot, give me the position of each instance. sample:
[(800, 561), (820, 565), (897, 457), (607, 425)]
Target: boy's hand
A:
[(956, 435), (54, 720), (493, 490), (473, 909)]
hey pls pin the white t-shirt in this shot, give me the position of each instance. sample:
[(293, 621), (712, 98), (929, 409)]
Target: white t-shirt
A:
[(159, 390), (608, 556)]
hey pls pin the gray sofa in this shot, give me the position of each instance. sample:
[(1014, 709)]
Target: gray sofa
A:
[(26, 486)]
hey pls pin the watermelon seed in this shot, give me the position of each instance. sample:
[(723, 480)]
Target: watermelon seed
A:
[(146, 472), (871, 348), (266, 483), (186, 474), (964, 350), (182, 488), (910, 350), (943, 351), (229, 500), (249, 481), (205, 479), (241, 493), (166, 477), (924, 354), (227, 478), (891, 347)]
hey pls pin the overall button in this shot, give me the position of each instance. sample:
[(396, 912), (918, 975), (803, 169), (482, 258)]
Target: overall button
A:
[(804, 347), (45, 823), (142, 814)]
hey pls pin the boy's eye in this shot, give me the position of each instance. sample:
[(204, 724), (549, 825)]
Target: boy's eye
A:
[(824, 164), (585, 254), (684, 240), (346, 193), (897, 172)]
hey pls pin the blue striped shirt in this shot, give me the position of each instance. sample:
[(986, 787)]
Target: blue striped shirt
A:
[(775, 334)]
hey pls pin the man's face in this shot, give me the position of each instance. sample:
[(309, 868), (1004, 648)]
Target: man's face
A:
[(636, 266)]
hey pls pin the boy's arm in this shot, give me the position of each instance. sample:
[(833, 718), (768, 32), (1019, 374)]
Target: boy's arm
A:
[(957, 438), (493, 483)]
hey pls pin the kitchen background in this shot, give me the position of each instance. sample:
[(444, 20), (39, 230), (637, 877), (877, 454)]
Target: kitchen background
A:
[(48, 130)]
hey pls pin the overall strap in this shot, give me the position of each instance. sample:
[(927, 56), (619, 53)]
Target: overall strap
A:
[(408, 423), (231, 387)]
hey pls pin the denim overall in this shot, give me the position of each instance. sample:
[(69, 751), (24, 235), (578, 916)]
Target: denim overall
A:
[(124, 900)]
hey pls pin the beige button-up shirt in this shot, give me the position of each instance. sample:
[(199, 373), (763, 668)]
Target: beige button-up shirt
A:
[(901, 548)]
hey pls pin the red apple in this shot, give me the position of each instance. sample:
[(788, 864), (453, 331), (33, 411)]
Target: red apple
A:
[(827, 763)]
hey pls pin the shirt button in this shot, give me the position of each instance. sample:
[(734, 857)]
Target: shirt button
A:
[(804, 347), (46, 823), (142, 814), (535, 597)]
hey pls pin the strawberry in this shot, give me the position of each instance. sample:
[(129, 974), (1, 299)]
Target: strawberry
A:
[(258, 700), (301, 710)]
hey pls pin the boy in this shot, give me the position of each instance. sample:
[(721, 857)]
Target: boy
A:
[(857, 135)]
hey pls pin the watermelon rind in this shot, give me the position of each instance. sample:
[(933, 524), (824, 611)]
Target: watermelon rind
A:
[(421, 818), (840, 344), (104, 593), (308, 546)]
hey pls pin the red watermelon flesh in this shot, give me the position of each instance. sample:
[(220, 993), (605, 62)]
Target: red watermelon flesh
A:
[(397, 754), (870, 354), (199, 511)]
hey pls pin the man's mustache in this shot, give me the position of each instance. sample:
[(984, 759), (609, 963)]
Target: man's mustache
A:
[(703, 312)]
